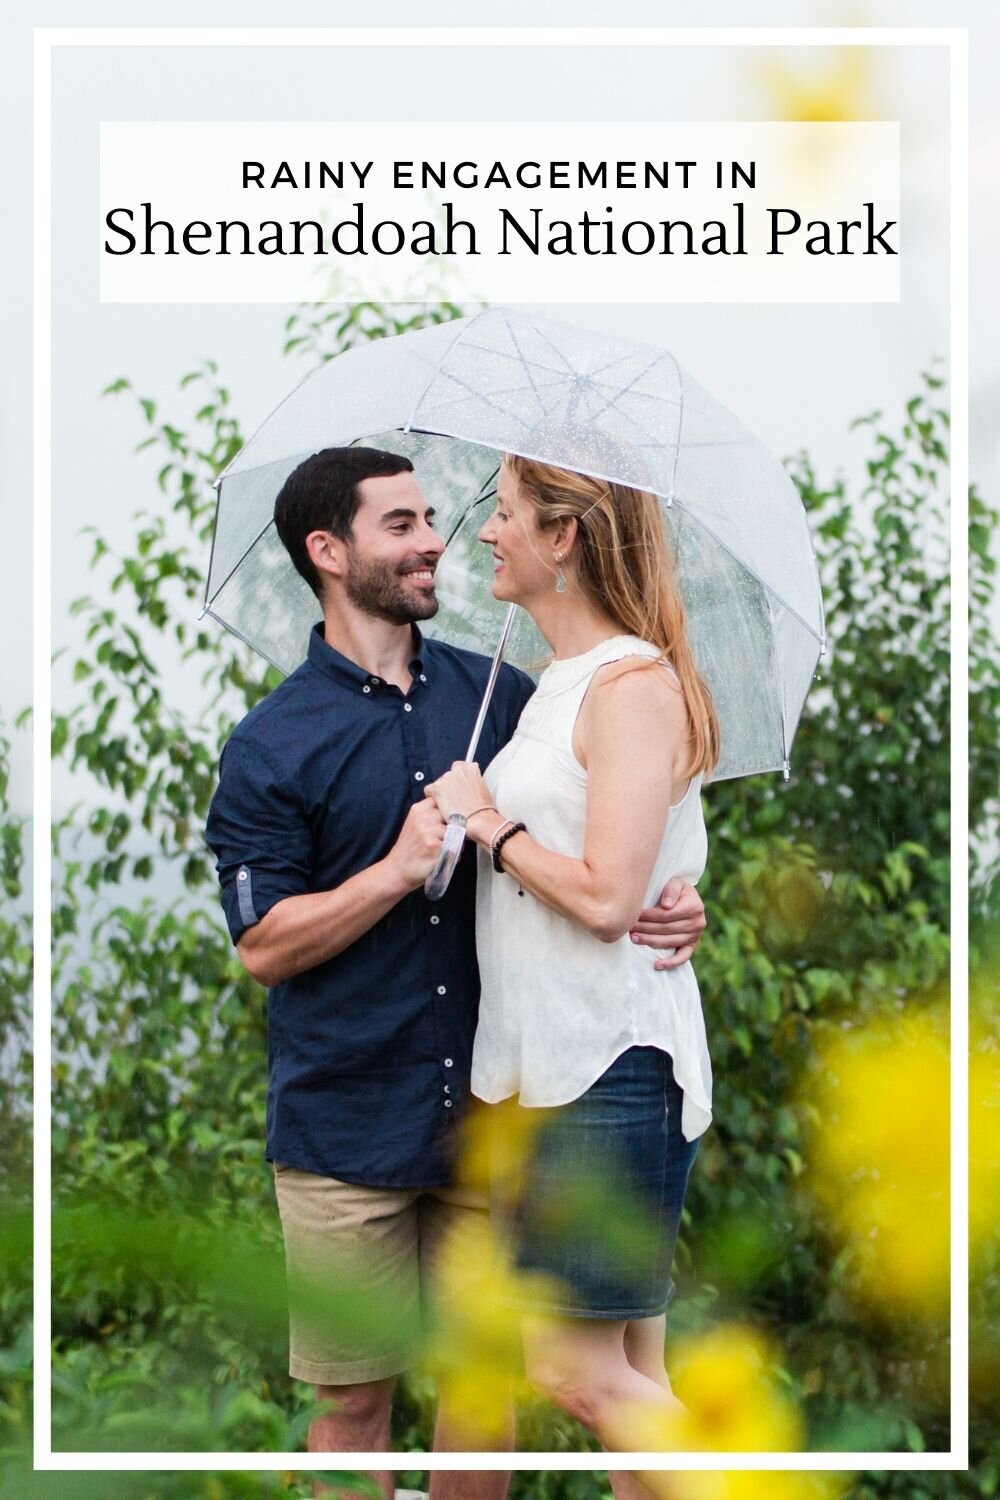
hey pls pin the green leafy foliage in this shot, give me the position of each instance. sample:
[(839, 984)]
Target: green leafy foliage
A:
[(828, 906), (15, 992)]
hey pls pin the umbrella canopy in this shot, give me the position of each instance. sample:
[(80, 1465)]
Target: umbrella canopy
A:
[(453, 398)]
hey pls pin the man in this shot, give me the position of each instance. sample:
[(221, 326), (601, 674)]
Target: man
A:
[(324, 838)]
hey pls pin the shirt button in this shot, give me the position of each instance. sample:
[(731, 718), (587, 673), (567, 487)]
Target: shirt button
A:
[(447, 1088), (442, 990), (408, 708), (447, 1104), (422, 677), (448, 1063), (434, 920), (366, 689), (244, 876), (418, 775)]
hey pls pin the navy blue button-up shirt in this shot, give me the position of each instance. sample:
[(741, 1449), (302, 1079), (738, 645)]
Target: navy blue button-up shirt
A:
[(369, 1053)]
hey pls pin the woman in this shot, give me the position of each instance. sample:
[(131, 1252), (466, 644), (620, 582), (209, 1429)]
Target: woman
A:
[(580, 820)]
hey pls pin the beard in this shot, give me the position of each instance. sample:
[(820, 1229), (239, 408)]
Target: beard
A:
[(378, 588)]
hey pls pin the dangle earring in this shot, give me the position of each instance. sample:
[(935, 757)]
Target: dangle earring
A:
[(560, 580)]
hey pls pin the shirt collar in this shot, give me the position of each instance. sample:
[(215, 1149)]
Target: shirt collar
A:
[(335, 664)]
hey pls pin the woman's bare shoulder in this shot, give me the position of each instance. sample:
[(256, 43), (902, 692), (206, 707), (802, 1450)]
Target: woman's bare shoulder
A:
[(640, 680), (634, 702), (633, 695)]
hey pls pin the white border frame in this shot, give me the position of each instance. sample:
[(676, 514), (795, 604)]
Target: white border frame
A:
[(45, 38)]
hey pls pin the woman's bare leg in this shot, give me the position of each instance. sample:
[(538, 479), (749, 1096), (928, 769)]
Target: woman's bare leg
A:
[(582, 1366), (627, 1485), (644, 1341)]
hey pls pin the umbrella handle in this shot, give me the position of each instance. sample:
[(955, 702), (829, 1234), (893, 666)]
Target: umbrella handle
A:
[(439, 879)]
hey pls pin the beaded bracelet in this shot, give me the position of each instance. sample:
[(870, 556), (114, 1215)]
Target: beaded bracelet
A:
[(499, 843), (507, 823)]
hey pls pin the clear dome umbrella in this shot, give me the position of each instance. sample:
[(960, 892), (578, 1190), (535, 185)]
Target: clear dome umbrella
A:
[(454, 398)]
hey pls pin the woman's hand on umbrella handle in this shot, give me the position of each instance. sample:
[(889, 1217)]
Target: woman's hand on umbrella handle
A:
[(461, 790)]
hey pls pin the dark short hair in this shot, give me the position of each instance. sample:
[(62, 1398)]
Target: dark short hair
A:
[(322, 495)]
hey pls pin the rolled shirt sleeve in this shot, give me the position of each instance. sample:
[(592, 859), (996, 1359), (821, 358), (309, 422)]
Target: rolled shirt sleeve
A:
[(258, 828)]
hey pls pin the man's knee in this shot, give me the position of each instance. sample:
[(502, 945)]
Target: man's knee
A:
[(363, 1404)]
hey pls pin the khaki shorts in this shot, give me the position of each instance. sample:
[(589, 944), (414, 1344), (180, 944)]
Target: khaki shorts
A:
[(361, 1271)]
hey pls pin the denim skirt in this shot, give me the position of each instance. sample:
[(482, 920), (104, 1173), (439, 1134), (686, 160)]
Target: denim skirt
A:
[(593, 1219)]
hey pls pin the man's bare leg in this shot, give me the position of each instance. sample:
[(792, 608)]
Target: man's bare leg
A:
[(357, 1422), (453, 1436), (462, 1484)]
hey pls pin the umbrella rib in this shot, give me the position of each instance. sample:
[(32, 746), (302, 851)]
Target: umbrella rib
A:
[(261, 425), (561, 373), (651, 440), (680, 426), (779, 688), (555, 350), (747, 569), (239, 561), (215, 537), (585, 395), (722, 443), (463, 328), (507, 390), (483, 495), (658, 353), (525, 365), (518, 358), (639, 395), (626, 388), (257, 650), (474, 394)]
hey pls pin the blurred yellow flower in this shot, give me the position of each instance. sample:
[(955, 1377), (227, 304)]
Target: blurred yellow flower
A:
[(830, 84), (476, 1350), (477, 1397), (747, 1484), (879, 1162), (984, 1120), (730, 1400), (496, 1139)]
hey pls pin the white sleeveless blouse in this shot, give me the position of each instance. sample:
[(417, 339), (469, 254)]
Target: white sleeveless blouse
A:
[(558, 1006)]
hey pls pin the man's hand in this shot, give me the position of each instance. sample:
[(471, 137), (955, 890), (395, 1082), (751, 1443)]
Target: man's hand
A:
[(416, 851), (304, 931), (675, 925)]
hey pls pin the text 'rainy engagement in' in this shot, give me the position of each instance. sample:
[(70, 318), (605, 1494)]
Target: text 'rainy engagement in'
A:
[(777, 212)]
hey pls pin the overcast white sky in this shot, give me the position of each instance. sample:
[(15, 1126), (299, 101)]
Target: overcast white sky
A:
[(797, 375)]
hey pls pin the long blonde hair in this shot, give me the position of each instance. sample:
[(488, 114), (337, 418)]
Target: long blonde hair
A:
[(624, 567)]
